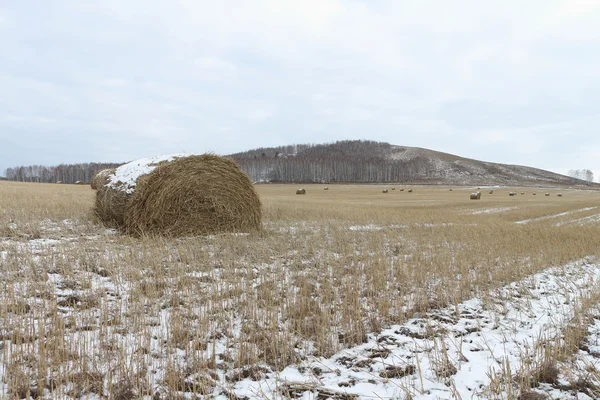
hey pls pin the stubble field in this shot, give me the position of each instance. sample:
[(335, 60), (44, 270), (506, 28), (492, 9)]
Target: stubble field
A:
[(346, 293)]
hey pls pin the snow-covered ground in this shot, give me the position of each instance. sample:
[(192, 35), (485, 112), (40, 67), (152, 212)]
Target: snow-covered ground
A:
[(461, 351), (449, 353), (493, 210), (553, 216)]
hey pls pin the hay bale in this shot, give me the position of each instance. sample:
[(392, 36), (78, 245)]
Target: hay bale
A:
[(402, 189), (450, 189), (512, 193), (325, 188), (476, 196), (179, 195), (491, 191), (385, 190), (522, 193), (547, 194), (409, 190), (393, 188), (80, 183), (101, 178), (534, 193), (300, 191), (560, 195), (111, 206)]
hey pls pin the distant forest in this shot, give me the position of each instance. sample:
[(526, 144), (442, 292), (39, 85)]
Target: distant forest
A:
[(355, 161), (345, 161), (350, 161), (66, 173)]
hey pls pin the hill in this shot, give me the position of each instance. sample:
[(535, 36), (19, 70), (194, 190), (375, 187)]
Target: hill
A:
[(360, 161)]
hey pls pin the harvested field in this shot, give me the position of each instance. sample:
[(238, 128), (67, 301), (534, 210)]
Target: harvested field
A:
[(346, 293)]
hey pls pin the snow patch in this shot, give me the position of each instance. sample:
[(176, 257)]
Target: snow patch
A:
[(408, 360), (552, 216), (493, 210), (126, 176)]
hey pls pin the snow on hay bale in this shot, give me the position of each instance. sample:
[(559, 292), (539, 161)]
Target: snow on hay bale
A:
[(476, 196), (179, 195), (300, 191), (101, 178)]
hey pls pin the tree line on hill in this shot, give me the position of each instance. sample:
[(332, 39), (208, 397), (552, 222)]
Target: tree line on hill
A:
[(65, 173), (583, 174), (351, 161), (356, 161)]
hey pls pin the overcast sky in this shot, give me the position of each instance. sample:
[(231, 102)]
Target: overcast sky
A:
[(114, 80)]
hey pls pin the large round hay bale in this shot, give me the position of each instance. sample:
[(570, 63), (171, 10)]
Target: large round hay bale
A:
[(101, 178), (475, 196), (300, 191), (179, 196), (385, 190)]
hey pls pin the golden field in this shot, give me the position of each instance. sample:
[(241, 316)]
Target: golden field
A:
[(86, 311)]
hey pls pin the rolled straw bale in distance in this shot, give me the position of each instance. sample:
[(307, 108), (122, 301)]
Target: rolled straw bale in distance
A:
[(180, 195), (300, 191), (476, 196), (547, 194), (512, 193), (385, 190), (409, 190), (325, 188), (560, 195), (402, 189), (101, 178)]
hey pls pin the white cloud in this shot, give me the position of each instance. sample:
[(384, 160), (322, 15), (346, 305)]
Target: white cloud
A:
[(500, 80)]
